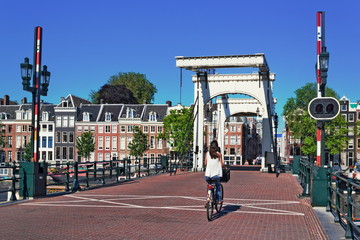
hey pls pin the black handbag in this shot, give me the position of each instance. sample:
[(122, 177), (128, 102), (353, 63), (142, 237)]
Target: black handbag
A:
[(225, 175)]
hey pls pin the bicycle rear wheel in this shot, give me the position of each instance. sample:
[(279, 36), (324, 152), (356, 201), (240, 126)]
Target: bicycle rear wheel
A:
[(210, 206), (218, 204)]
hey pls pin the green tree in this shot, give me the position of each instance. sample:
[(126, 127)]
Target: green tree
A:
[(178, 130), (303, 127), (113, 94), (27, 153), (139, 144), (85, 144), (142, 89)]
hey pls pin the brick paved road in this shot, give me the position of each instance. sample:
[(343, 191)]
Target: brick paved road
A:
[(257, 206)]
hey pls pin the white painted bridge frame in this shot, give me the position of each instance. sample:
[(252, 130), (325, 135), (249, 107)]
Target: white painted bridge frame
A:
[(208, 86)]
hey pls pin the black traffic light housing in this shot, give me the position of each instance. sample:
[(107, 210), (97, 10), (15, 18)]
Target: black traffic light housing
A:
[(324, 108)]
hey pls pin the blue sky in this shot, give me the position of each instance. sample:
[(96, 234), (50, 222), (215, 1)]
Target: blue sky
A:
[(85, 42)]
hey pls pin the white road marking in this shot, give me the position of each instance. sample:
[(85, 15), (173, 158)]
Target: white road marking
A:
[(116, 201)]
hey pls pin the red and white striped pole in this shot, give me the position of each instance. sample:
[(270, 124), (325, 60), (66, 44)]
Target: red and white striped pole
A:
[(36, 93), (320, 90)]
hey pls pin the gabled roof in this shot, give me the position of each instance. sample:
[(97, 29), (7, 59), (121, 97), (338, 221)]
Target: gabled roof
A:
[(10, 110), (74, 101), (138, 108), (48, 108), (92, 109), (114, 109), (160, 111)]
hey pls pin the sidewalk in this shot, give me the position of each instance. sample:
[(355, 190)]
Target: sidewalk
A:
[(256, 206)]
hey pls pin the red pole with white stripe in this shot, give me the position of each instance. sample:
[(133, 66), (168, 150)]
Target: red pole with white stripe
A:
[(320, 158), (36, 93)]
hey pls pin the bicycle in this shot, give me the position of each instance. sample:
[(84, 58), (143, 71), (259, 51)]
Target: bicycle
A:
[(213, 201)]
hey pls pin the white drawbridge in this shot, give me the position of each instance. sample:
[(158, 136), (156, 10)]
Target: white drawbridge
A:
[(208, 86)]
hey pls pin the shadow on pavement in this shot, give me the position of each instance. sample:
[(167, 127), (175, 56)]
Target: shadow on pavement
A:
[(226, 210)]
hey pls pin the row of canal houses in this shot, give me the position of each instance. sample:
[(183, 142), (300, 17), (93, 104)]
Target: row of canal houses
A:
[(60, 125)]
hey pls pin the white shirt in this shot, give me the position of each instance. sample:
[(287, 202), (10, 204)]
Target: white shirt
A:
[(213, 166)]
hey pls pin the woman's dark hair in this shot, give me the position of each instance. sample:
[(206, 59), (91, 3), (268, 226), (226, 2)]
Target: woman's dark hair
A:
[(214, 148)]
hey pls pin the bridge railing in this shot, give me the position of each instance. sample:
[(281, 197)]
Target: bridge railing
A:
[(304, 173), (344, 200), (73, 176), (9, 180)]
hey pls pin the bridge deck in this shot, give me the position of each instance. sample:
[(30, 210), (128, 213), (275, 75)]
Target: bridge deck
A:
[(257, 206)]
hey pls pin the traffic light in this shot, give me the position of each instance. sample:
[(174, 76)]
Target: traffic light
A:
[(324, 108)]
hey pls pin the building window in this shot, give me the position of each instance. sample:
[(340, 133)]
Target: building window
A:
[(114, 129), (114, 143), (50, 142), (122, 143), (343, 107), (44, 127), (100, 144), (232, 128), (64, 153), (129, 141), (358, 143), (152, 117), (64, 137), (232, 140), (351, 131), (351, 144), (101, 128), (358, 116), (9, 156), (129, 129), (152, 142), (159, 143), (9, 142), (100, 157), (351, 117), (152, 129), (45, 116), (160, 129), (122, 128), (130, 113), (50, 156), (92, 128), (43, 142), (86, 128), (18, 128), (344, 116), (107, 156), (107, 143), (146, 129), (50, 127), (65, 122), (58, 137), (57, 153), (107, 129), (71, 137), (24, 128), (71, 153), (79, 128), (58, 121), (108, 117), (86, 117), (18, 141), (71, 121)]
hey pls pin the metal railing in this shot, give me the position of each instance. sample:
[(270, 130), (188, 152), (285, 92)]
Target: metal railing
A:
[(343, 196), (344, 200), (74, 176), (304, 176), (9, 180)]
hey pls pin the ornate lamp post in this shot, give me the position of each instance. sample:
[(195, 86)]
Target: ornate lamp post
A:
[(276, 122), (39, 87)]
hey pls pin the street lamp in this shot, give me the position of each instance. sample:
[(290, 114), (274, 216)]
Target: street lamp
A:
[(324, 67), (276, 122), (39, 87)]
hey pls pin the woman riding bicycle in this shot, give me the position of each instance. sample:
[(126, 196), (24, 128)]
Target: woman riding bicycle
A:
[(214, 165)]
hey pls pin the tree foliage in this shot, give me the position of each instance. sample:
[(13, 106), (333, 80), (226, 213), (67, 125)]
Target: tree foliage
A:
[(142, 89), (303, 127), (178, 130), (113, 94), (85, 144), (139, 144)]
